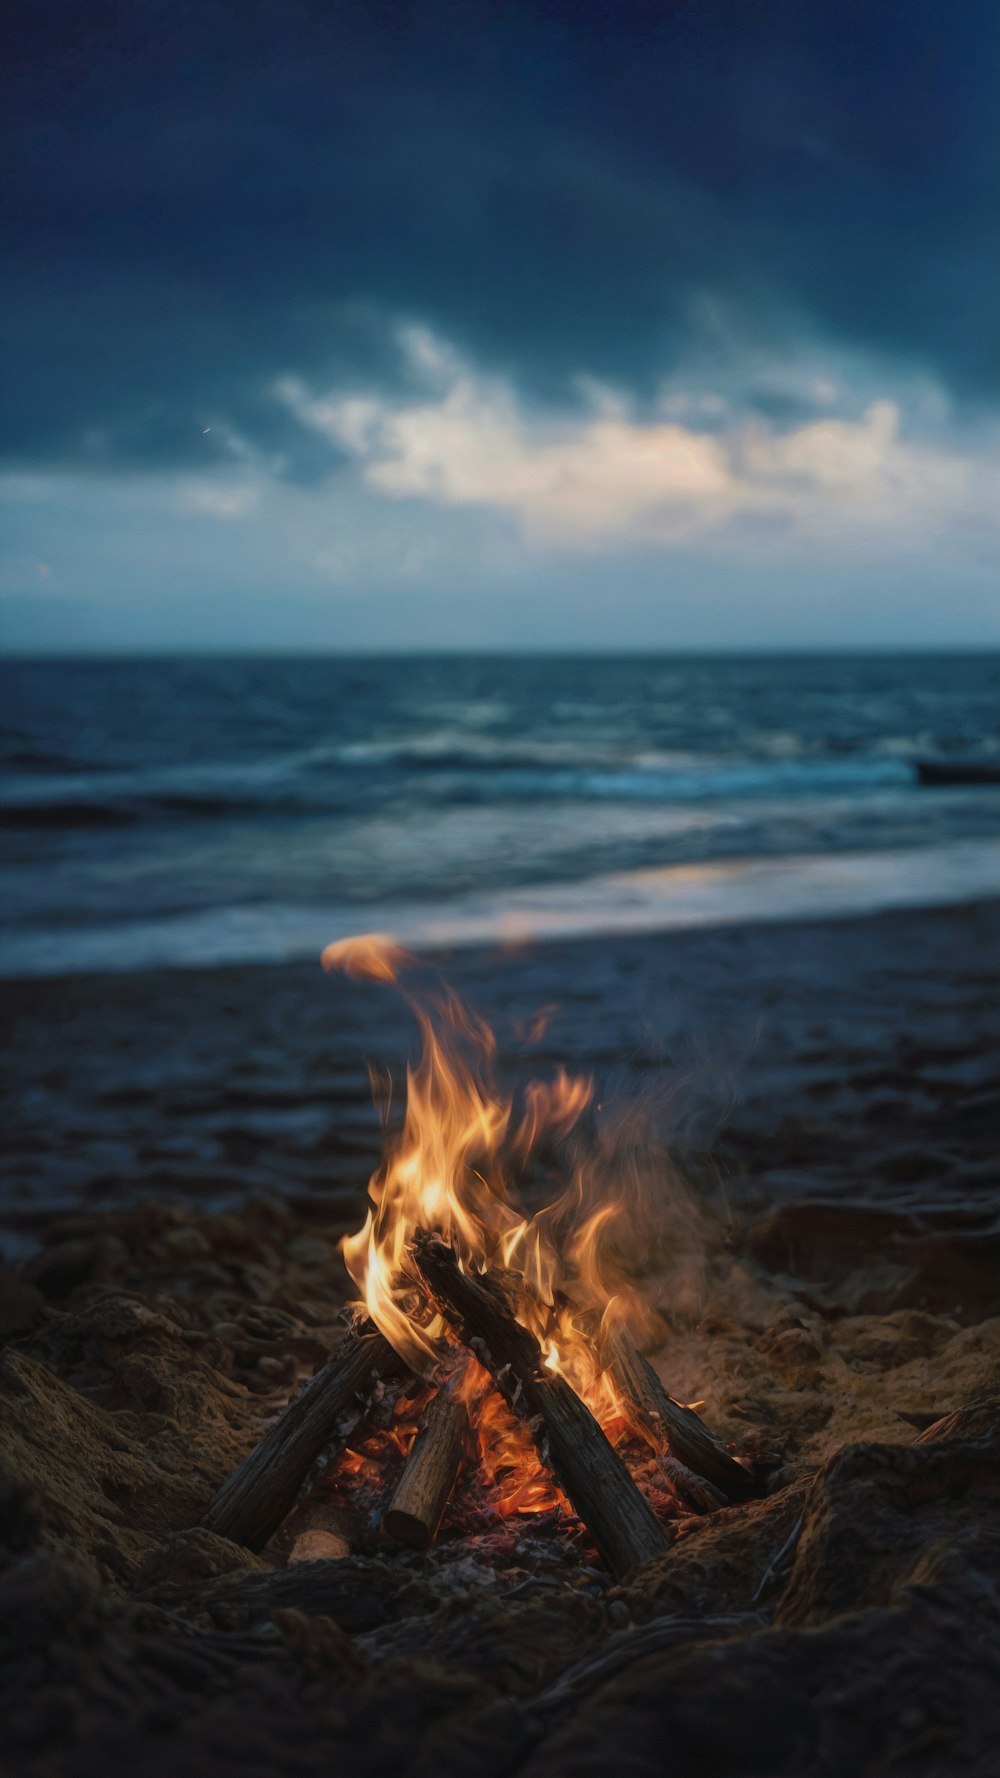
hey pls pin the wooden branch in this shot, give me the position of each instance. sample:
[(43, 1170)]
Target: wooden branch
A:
[(671, 1428), (569, 1440), (693, 1490), (414, 1513), (249, 1507)]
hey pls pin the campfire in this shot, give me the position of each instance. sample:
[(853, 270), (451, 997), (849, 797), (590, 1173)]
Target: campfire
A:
[(493, 1372)]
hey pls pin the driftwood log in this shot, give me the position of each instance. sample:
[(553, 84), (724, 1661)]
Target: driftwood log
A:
[(414, 1512), (596, 1481), (251, 1505), (672, 1429)]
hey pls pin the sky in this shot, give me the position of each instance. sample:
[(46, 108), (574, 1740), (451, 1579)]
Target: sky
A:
[(504, 326)]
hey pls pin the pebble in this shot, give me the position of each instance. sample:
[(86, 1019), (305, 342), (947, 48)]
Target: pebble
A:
[(279, 1368), (186, 1243)]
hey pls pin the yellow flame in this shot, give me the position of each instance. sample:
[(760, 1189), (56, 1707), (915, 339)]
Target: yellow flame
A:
[(456, 1170)]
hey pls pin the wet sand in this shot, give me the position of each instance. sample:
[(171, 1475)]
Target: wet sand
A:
[(858, 1061)]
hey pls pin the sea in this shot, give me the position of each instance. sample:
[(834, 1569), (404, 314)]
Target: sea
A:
[(190, 812)]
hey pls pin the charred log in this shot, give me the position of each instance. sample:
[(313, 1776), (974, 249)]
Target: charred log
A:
[(251, 1505), (674, 1430), (568, 1438), (414, 1513)]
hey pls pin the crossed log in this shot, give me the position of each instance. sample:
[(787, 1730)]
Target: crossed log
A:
[(691, 1456), (257, 1497), (251, 1505), (569, 1440)]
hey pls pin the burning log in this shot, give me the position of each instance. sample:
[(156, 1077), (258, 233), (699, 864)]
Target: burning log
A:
[(249, 1507), (673, 1430), (414, 1513), (596, 1481)]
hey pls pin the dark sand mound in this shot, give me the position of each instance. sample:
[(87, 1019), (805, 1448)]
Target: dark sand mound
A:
[(844, 1622)]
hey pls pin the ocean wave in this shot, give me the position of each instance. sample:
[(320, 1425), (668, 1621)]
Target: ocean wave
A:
[(40, 759), (829, 886), (124, 798), (703, 782), (43, 813), (206, 789), (449, 747)]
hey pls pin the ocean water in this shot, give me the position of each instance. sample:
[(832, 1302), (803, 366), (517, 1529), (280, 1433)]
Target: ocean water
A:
[(174, 813)]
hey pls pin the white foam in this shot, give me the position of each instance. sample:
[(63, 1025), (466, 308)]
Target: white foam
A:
[(675, 898)]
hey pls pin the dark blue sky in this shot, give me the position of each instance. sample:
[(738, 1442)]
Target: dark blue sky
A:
[(350, 323)]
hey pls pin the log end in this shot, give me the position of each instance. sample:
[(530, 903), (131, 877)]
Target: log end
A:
[(407, 1528)]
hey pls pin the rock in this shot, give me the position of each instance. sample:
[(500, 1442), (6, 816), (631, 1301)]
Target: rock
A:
[(22, 1306), (63, 1266), (186, 1242)]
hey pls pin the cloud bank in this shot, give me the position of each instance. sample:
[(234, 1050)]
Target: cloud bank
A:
[(609, 475)]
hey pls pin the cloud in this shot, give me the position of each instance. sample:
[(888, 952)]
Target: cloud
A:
[(202, 196), (608, 474)]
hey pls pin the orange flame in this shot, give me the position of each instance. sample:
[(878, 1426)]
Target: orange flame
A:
[(455, 1171), (373, 957)]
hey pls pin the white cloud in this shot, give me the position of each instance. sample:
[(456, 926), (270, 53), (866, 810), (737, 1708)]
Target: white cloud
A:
[(608, 474)]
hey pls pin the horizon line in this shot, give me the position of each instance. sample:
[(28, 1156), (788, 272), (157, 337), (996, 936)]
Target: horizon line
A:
[(305, 651)]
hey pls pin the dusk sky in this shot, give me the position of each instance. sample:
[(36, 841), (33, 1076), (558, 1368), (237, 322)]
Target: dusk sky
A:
[(366, 326)]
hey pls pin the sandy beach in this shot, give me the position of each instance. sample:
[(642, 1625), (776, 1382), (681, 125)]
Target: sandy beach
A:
[(184, 1153)]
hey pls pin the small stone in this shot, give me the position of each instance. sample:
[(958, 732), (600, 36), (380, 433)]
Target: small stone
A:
[(64, 1266), (22, 1306), (278, 1368), (186, 1243)]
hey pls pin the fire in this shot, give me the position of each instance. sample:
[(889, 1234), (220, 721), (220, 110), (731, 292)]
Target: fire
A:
[(508, 1463), (457, 1170), (373, 957)]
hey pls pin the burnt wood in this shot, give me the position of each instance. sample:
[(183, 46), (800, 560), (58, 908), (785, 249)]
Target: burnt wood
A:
[(251, 1505), (569, 1440), (672, 1428), (414, 1512)]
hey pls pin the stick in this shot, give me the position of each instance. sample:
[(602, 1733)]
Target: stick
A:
[(669, 1427), (569, 1440), (698, 1494), (249, 1507), (414, 1513)]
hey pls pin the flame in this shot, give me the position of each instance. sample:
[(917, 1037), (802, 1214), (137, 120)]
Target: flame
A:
[(373, 957), (458, 1170)]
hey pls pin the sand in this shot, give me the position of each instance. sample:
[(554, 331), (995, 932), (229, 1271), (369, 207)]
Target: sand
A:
[(832, 1272)]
